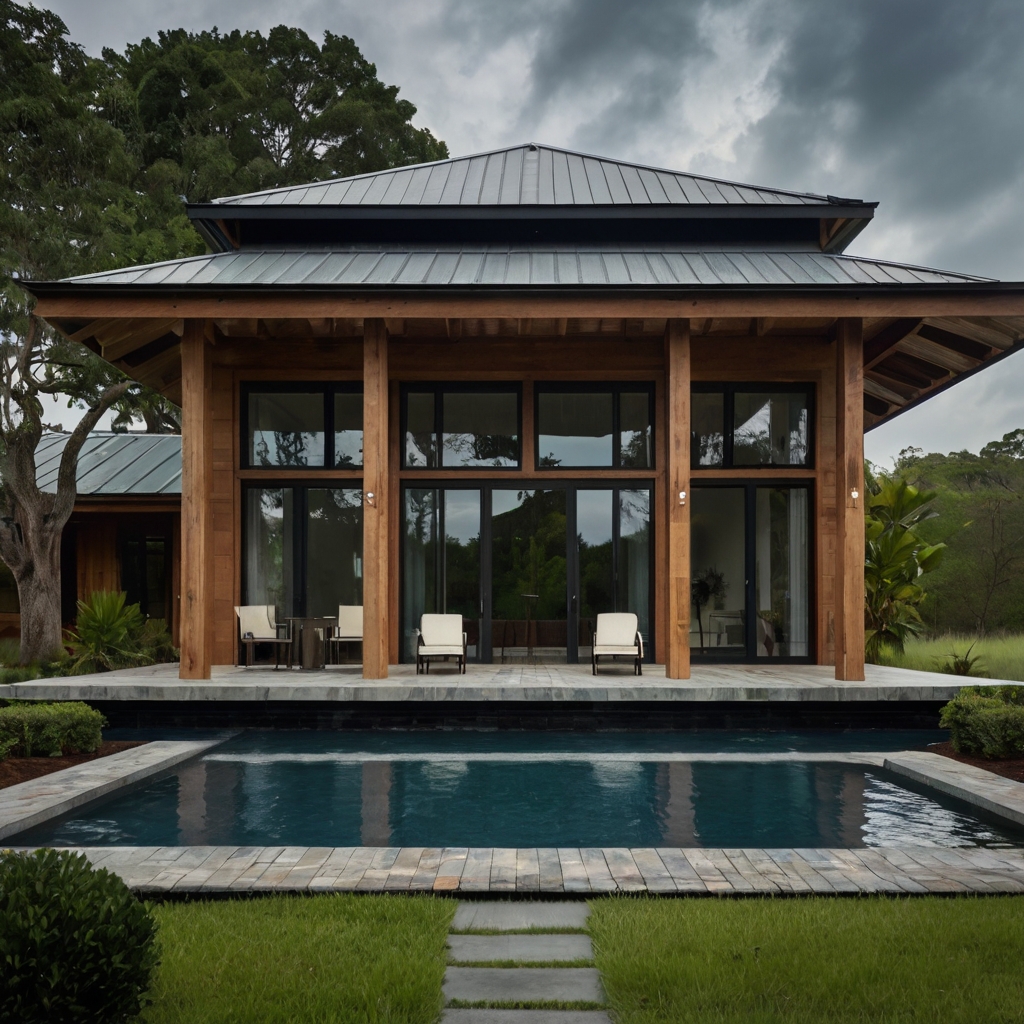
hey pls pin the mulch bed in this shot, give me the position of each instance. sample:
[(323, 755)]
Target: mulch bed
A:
[(1011, 768), (22, 769)]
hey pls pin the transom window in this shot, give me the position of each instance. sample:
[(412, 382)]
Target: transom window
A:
[(302, 425), (461, 426), (739, 425), (594, 425)]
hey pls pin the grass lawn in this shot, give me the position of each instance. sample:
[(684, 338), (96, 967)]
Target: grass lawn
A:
[(330, 958), (812, 961), (1002, 657)]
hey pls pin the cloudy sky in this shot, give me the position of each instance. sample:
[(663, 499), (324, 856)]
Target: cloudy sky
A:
[(915, 103)]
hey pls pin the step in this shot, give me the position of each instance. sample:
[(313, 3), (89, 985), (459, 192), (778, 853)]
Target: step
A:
[(526, 1017), (523, 984), (526, 948), (518, 916)]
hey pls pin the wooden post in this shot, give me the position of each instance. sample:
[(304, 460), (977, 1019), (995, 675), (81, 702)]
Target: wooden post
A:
[(376, 491), (850, 500), (196, 607), (677, 403)]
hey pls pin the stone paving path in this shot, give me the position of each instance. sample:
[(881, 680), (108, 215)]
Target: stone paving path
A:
[(538, 970), (217, 869)]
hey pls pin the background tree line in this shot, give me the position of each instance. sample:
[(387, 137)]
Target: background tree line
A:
[(97, 155)]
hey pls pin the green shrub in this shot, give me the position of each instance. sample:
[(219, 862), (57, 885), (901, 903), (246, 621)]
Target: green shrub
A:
[(110, 634), (986, 721), (49, 730), (75, 944)]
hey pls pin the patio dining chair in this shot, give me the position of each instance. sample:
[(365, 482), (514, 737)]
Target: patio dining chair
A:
[(617, 636), (257, 624), (440, 637), (347, 630)]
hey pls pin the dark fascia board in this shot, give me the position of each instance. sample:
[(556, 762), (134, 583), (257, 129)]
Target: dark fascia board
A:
[(64, 289), (212, 212)]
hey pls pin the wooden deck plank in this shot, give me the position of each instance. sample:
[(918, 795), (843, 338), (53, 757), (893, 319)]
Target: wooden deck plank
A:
[(799, 871), (327, 876), (549, 868), (867, 880), (527, 871), (200, 875), (887, 871), (277, 872), (768, 869), (503, 869), (264, 858), (449, 871), (426, 870), (597, 869), (656, 875), (683, 874), (377, 873), (357, 865), (760, 881), (476, 875), (725, 868), (402, 871), (574, 874), (833, 871), (628, 877)]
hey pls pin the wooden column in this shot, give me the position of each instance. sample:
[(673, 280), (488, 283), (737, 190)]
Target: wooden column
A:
[(376, 617), (677, 404), (850, 500), (196, 606)]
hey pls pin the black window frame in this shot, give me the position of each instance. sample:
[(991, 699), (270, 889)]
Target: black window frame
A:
[(326, 389), (729, 392), (299, 531), (439, 389), (616, 390)]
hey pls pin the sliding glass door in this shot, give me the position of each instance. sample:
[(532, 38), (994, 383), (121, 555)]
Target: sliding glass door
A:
[(750, 572), (528, 569)]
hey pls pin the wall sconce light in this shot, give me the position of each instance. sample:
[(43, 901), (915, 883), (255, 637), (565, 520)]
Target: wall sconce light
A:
[(371, 499), (854, 496), (682, 497)]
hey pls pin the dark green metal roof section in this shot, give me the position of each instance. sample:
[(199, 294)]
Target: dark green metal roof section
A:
[(115, 464)]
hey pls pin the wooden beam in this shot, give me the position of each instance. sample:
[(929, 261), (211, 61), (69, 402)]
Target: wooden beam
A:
[(885, 341), (394, 327), (940, 355), (826, 304), (699, 326), (677, 388), (453, 327), (764, 325), (561, 326), (376, 493), (196, 520), (850, 500)]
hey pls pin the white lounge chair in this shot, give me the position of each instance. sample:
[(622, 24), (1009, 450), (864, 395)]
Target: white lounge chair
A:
[(440, 637), (349, 628), (257, 624), (617, 636)]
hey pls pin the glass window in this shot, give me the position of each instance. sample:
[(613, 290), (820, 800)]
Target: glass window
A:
[(480, 429), (635, 440), (781, 575), (286, 429), (707, 428), (420, 435), (348, 429), (270, 548), (770, 429), (574, 428)]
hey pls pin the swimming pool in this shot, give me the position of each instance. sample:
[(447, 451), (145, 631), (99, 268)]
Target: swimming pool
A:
[(526, 789)]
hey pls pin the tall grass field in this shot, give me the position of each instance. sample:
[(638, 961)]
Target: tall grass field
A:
[(1001, 657)]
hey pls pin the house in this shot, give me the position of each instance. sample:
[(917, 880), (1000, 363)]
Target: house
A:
[(124, 531), (530, 386)]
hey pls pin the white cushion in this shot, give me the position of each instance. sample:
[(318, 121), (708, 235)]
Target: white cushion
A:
[(615, 629), (258, 619), (350, 622), (613, 649), (439, 649), (442, 630)]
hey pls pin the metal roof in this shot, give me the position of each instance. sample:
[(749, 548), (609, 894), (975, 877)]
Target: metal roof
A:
[(115, 464), (514, 266), (529, 174)]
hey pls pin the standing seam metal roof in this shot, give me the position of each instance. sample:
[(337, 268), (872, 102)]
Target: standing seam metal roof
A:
[(524, 175), (115, 464), (504, 266)]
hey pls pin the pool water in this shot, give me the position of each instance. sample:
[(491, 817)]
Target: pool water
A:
[(532, 789)]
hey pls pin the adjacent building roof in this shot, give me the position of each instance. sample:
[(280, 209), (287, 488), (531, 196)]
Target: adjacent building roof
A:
[(499, 267), (530, 174), (115, 464)]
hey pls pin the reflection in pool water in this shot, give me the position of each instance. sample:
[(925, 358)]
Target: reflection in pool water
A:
[(296, 790)]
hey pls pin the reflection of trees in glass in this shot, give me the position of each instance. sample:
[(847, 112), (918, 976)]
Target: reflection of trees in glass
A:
[(775, 433), (481, 449), (709, 449), (635, 453), (266, 550), (290, 448), (708, 585), (529, 557)]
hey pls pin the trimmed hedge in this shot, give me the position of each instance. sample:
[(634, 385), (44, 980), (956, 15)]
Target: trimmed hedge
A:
[(50, 730), (986, 721), (75, 945)]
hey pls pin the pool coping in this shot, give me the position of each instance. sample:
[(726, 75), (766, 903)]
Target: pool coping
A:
[(28, 804)]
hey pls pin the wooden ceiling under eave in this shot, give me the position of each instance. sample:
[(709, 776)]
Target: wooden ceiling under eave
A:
[(905, 359)]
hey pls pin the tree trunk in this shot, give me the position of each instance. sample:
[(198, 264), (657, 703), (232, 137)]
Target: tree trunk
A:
[(38, 579)]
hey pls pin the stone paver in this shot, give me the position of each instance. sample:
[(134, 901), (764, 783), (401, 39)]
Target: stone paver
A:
[(510, 917), (523, 984), (32, 803), (453, 1016), (524, 948), (976, 786)]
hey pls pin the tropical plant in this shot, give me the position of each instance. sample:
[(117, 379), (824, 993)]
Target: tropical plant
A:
[(895, 559), (707, 585), (963, 664), (111, 634)]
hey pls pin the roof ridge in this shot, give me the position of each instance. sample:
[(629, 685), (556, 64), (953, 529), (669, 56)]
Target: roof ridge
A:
[(824, 199)]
